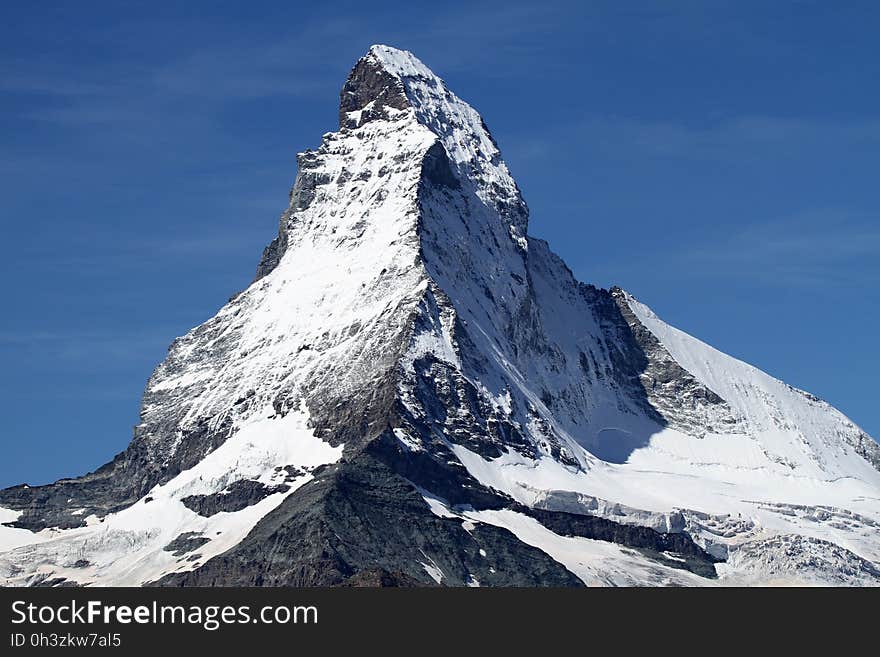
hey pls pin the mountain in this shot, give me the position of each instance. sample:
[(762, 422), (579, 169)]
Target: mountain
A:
[(414, 391)]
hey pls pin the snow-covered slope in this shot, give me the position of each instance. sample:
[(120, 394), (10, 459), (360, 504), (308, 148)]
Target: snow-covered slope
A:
[(415, 391), (146, 540), (797, 429)]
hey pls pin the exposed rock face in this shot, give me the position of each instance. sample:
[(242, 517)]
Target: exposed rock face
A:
[(369, 90), (413, 391), (185, 543), (866, 447), (682, 401), (237, 496), (360, 515)]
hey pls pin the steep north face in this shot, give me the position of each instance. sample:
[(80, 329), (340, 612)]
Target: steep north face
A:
[(413, 391)]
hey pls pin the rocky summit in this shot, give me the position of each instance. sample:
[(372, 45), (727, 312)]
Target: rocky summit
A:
[(414, 391)]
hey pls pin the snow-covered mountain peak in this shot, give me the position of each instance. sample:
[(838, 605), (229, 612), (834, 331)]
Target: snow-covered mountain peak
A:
[(386, 80), (400, 63), (413, 389)]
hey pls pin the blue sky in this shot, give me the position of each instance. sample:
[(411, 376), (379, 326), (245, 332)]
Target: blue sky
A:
[(717, 159)]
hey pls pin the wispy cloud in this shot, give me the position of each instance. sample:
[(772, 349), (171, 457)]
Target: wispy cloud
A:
[(818, 249), (729, 137), (189, 80), (740, 138), (88, 255), (97, 346)]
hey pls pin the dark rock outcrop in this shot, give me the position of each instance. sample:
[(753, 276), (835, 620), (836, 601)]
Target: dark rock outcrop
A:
[(359, 516), (237, 496)]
